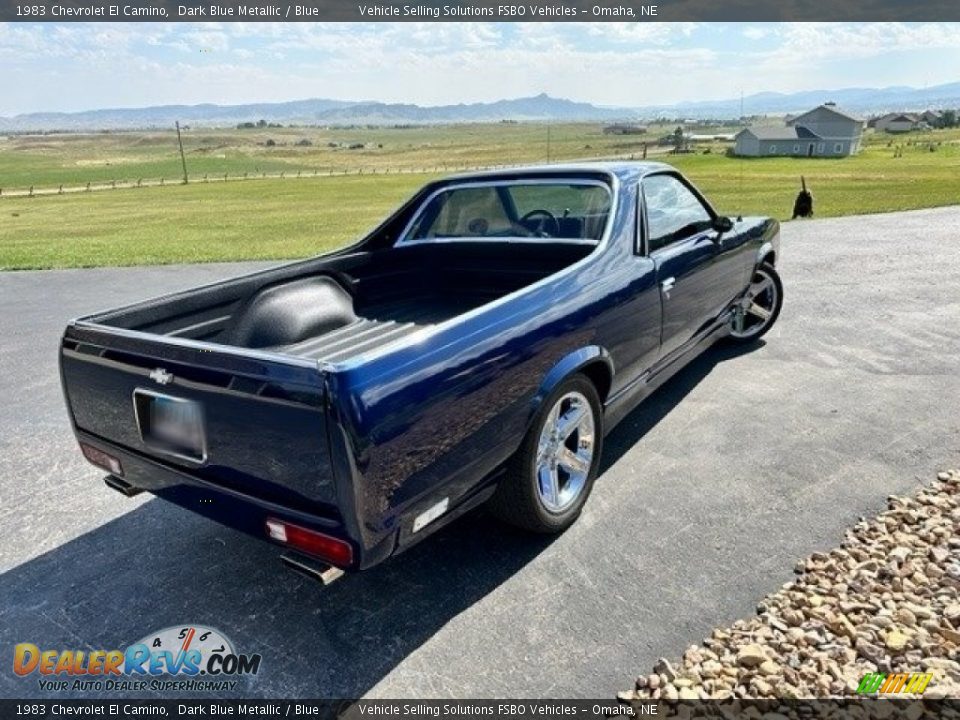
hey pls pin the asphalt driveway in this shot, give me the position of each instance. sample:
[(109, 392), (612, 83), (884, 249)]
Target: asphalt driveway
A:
[(711, 491)]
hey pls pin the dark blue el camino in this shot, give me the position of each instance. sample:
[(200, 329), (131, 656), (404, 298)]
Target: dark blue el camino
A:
[(475, 347)]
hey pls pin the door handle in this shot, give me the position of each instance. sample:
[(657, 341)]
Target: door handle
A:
[(667, 285)]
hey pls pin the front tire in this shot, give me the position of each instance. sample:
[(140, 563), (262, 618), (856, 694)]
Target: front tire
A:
[(759, 309), (549, 479)]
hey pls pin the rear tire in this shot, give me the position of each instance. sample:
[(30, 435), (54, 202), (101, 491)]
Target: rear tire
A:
[(760, 307), (550, 477)]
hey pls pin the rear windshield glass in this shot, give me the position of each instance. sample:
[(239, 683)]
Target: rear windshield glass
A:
[(568, 211)]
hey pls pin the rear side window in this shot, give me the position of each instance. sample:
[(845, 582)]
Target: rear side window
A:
[(673, 211)]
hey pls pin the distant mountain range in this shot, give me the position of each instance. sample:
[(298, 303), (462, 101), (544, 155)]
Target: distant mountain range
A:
[(313, 112), (860, 100), (538, 108)]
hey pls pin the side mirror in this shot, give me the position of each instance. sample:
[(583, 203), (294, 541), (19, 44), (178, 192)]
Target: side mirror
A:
[(722, 224)]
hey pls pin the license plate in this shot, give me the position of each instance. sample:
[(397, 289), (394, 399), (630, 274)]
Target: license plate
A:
[(171, 425)]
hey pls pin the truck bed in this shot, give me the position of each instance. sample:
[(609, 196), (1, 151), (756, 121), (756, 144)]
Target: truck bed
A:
[(331, 309), (383, 324)]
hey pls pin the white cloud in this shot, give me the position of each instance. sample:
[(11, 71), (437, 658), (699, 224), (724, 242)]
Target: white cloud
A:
[(654, 33), (756, 32), (805, 42)]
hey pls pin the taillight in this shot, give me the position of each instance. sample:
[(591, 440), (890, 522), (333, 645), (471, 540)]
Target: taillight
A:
[(101, 459), (331, 549)]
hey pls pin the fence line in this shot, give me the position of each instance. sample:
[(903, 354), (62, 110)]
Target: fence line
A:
[(302, 173), (126, 184)]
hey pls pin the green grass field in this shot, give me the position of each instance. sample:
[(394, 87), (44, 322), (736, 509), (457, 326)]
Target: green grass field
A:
[(289, 218)]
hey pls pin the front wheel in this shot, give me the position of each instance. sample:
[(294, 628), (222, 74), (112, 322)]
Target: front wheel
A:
[(759, 308), (549, 479)]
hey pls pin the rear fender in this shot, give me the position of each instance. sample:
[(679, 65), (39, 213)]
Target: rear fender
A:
[(770, 244), (764, 250), (569, 365)]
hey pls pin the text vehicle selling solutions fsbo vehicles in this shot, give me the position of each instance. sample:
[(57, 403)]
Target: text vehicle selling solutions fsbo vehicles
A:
[(474, 347)]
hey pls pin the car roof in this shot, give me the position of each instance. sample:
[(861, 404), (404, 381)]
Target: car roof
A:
[(623, 169)]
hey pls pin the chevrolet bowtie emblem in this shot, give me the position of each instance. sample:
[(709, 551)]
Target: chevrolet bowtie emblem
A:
[(161, 376)]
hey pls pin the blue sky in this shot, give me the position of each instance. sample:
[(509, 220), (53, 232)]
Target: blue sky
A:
[(79, 66)]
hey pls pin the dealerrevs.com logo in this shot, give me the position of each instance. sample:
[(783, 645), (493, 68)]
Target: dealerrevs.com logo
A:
[(188, 657)]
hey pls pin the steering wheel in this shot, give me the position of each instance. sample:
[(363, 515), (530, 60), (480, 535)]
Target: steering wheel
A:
[(542, 223)]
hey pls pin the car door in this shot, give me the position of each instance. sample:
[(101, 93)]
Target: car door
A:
[(698, 275)]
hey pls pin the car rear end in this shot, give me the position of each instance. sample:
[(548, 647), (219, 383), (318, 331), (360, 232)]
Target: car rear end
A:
[(241, 437)]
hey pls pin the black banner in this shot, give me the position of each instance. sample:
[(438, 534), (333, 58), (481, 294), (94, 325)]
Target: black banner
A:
[(474, 11)]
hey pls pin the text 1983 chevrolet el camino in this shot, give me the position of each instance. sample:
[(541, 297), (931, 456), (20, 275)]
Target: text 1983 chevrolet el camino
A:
[(474, 347)]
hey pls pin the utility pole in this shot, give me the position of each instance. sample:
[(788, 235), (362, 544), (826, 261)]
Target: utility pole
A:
[(743, 125), (183, 159), (548, 142)]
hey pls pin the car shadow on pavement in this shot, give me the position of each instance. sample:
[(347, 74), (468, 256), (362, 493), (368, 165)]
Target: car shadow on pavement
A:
[(665, 398), (160, 566)]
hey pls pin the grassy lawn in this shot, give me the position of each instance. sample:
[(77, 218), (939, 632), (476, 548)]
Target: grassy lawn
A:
[(277, 219), (255, 219)]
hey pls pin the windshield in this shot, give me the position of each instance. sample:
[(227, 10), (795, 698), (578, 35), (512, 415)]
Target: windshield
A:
[(570, 211)]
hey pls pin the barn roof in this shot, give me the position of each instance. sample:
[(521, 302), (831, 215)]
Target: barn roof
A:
[(771, 132), (830, 107)]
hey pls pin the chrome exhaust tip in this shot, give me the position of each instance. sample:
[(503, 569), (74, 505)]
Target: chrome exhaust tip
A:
[(121, 486), (314, 569)]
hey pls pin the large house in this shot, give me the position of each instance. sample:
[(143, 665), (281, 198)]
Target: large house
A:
[(896, 123), (825, 131), (906, 122)]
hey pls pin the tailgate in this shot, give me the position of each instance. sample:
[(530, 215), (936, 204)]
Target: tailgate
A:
[(262, 416)]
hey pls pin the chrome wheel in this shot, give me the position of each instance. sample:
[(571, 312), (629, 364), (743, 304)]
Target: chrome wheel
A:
[(565, 452), (758, 307)]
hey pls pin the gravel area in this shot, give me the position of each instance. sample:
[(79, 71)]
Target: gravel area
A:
[(887, 600)]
